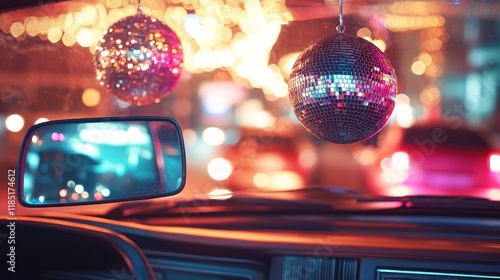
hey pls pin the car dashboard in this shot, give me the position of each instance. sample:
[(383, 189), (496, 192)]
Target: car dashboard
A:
[(290, 247)]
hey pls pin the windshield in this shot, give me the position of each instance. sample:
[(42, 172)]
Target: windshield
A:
[(227, 84)]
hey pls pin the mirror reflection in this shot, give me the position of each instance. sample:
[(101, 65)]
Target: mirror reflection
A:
[(102, 161)]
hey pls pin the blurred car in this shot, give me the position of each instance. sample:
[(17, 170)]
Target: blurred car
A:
[(435, 159), (268, 160)]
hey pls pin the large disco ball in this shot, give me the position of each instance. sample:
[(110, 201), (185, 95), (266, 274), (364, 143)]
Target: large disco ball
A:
[(342, 89), (139, 60)]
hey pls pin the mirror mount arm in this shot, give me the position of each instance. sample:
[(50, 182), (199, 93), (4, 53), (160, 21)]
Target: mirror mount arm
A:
[(160, 163)]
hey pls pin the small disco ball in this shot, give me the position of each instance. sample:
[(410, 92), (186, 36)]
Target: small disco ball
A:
[(139, 60), (342, 89)]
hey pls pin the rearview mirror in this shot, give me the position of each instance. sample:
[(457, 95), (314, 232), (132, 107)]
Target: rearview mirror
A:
[(87, 161)]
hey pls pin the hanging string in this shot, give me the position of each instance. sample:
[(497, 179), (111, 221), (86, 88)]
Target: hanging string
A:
[(139, 7), (340, 28)]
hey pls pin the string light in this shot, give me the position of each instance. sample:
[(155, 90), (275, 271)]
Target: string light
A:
[(219, 25)]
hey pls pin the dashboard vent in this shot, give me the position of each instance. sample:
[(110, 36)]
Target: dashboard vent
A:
[(319, 268), (389, 274)]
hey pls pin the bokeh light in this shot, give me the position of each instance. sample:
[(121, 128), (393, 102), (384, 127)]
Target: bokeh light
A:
[(430, 96), (219, 169), (213, 136), (79, 189), (17, 29), (365, 156), (328, 89), (14, 123), (91, 97), (84, 37), (139, 60), (63, 192), (54, 35), (418, 67), (261, 180), (190, 137), (41, 120), (220, 194), (214, 34)]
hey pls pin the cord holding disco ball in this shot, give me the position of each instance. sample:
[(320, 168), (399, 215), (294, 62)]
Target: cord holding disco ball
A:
[(342, 88)]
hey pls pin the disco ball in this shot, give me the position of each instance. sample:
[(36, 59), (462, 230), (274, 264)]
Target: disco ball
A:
[(139, 60), (342, 89)]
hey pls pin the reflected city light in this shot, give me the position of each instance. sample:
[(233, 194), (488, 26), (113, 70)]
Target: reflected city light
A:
[(366, 34), (237, 38), (395, 170), (401, 23), (85, 195), (262, 119), (14, 123)]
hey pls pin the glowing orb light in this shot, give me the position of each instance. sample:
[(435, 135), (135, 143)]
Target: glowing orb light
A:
[(342, 89), (139, 60)]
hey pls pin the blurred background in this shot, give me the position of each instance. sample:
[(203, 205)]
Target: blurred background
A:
[(231, 101)]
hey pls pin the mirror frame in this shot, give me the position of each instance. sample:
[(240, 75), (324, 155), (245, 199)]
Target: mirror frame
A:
[(21, 165)]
